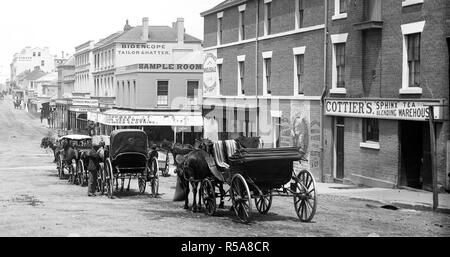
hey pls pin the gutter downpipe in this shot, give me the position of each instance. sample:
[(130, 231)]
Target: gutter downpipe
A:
[(324, 91), (256, 67)]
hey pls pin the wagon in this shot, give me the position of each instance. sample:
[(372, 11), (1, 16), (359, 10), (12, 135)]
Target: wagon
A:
[(76, 168), (259, 174), (128, 158)]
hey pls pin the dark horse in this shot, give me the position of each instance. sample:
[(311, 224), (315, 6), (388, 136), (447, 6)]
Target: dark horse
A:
[(193, 168), (48, 142)]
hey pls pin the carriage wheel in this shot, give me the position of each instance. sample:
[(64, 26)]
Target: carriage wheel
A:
[(142, 184), (155, 184), (81, 174), (305, 197), (100, 185), (103, 185), (109, 178), (240, 195), (263, 202), (72, 174), (60, 168), (208, 194), (154, 168)]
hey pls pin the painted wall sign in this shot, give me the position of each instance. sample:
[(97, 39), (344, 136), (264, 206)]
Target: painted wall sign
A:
[(144, 49), (164, 67), (85, 102), (83, 109), (382, 109), (210, 75)]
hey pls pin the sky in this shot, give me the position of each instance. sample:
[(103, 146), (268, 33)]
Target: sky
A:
[(62, 24)]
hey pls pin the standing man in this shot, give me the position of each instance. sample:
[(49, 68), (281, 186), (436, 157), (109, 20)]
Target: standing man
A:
[(93, 168)]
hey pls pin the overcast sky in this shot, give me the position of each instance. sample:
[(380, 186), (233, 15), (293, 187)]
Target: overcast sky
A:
[(63, 24)]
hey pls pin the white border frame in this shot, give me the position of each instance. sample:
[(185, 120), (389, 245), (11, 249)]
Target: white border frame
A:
[(411, 2), (409, 28)]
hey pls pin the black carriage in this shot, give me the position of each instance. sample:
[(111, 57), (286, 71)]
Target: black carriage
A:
[(75, 169), (258, 174), (127, 158)]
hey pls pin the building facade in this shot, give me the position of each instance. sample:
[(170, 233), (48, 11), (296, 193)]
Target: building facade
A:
[(84, 63), (387, 62), (29, 58), (263, 73), (155, 73)]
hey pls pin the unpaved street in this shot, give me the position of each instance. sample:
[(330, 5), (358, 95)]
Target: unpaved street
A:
[(34, 202)]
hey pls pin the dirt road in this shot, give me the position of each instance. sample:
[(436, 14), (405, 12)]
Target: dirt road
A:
[(34, 202)]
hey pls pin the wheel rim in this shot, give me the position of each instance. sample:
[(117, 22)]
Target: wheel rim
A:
[(305, 196), (110, 179), (240, 195), (142, 185), (103, 184), (209, 197), (263, 202), (81, 174)]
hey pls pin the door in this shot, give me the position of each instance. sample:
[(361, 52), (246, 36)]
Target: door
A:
[(339, 147)]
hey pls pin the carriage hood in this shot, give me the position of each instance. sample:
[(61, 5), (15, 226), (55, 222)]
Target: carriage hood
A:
[(128, 141)]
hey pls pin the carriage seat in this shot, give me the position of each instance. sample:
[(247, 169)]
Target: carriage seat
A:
[(223, 150)]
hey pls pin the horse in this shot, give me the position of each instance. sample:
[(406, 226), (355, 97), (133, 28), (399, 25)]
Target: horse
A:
[(48, 142), (193, 168)]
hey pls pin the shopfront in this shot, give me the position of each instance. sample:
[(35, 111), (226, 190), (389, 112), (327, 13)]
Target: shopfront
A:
[(385, 142)]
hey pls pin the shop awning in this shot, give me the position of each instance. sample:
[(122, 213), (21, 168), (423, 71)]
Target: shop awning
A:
[(116, 117)]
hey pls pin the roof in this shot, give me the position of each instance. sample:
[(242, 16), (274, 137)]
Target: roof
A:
[(108, 39), (155, 34), (75, 137), (70, 62), (225, 4), (35, 74), (52, 77)]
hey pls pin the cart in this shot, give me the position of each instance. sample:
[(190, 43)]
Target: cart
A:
[(259, 174), (127, 157)]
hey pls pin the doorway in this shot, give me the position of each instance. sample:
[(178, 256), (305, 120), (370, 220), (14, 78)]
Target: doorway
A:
[(415, 155), (339, 148)]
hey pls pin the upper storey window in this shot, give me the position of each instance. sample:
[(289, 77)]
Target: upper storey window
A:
[(340, 9), (219, 28), (242, 22), (268, 17)]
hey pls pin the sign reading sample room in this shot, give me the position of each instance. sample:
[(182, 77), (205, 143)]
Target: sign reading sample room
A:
[(170, 67), (382, 109), (150, 120)]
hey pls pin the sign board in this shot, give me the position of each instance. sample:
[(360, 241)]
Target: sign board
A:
[(147, 120), (210, 74), (85, 102), (400, 109), (170, 67), (83, 109)]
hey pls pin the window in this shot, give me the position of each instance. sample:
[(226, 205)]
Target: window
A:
[(219, 73), (42, 63), (267, 74), (370, 130), (34, 54), (299, 61), (39, 53), (219, 30), (411, 57), (342, 6), (163, 93), (192, 92), (340, 9), (414, 59), (300, 13), (242, 25), (340, 64), (268, 18), (241, 78)]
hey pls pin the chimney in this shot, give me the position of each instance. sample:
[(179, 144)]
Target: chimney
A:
[(145, 29), (180, 30)]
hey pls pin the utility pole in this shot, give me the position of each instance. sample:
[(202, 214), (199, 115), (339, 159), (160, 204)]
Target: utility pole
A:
[(433, 157)]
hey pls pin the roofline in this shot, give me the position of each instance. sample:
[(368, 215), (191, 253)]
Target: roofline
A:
[(84, 44), (214, 10)]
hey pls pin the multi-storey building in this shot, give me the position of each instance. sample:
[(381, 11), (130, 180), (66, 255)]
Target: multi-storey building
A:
[(154, 72), (84, 63), (264, 70), (387, 62), (29, 58)]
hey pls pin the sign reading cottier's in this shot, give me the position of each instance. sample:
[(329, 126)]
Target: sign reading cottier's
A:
[(382, 109)]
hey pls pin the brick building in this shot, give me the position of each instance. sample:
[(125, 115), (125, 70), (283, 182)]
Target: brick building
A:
[(263, 75), (387, 61)]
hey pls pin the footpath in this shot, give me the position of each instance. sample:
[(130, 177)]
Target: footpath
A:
[(397, 198)]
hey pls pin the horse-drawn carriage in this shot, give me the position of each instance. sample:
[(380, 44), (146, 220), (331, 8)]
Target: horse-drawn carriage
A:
[(127, 158), (256, 174), (69, 160)]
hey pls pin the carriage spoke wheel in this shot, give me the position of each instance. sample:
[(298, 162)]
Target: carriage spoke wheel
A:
[(208, 194), (155, 184), (109, 178), (263, 202), (72, 174), (240, 195), (142, 184), (101, 179), (305, 196), (81, 173), (165, 171)]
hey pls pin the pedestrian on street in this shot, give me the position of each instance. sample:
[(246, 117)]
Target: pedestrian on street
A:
[(93, 168)]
